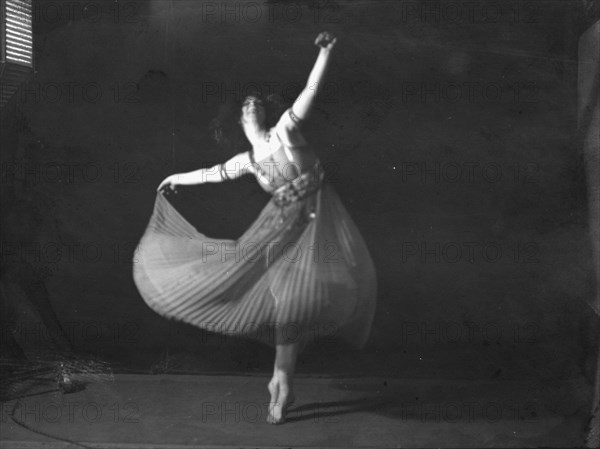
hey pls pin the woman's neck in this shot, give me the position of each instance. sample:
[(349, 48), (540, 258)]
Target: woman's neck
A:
[(256, 134)]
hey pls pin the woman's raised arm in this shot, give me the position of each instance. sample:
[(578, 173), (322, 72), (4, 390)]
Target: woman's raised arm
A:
[(303, 104)]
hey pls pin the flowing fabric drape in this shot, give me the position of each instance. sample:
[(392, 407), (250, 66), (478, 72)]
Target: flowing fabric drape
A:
[(302, 269)]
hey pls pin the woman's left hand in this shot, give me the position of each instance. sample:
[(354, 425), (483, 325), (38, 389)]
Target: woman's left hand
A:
[(325, 40), (169, 184)]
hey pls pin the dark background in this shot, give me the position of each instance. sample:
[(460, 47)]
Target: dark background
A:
[(448, 129)]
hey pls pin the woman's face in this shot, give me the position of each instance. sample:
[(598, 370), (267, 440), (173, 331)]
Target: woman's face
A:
[(253, 110)]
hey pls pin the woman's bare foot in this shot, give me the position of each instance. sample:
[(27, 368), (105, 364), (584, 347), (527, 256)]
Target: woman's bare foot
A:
[(282, 397), (281, 385)]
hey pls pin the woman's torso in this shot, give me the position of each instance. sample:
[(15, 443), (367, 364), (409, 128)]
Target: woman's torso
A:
[(279, 163)]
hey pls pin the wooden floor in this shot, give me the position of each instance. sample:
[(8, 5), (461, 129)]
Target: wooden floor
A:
[(145, 411)]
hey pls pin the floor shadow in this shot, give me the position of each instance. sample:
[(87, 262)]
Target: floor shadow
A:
[(490, 402), (327, 410)]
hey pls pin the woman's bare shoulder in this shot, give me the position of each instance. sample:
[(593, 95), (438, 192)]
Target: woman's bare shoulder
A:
[(289, 131), (241, 157)]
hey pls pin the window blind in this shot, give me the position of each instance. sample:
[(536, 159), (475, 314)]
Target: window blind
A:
[(18, 38)]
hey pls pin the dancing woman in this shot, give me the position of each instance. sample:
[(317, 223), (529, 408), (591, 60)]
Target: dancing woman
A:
[(300, 273)]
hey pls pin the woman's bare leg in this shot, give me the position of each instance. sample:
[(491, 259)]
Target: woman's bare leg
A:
[(281, 385)]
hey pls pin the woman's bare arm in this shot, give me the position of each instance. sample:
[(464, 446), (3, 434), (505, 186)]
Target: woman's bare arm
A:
[(235, 167), (303, 104)]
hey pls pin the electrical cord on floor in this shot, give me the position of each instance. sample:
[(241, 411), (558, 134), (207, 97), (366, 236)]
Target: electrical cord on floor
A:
[(41, 432), (64, 383)]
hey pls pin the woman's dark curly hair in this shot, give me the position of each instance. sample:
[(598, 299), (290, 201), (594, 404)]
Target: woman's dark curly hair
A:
[(226, 129)]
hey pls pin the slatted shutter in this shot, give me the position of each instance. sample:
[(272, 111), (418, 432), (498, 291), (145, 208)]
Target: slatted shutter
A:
[(17, 46)]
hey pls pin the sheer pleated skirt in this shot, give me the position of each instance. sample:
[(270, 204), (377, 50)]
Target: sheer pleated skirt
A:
[(300, 271)]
